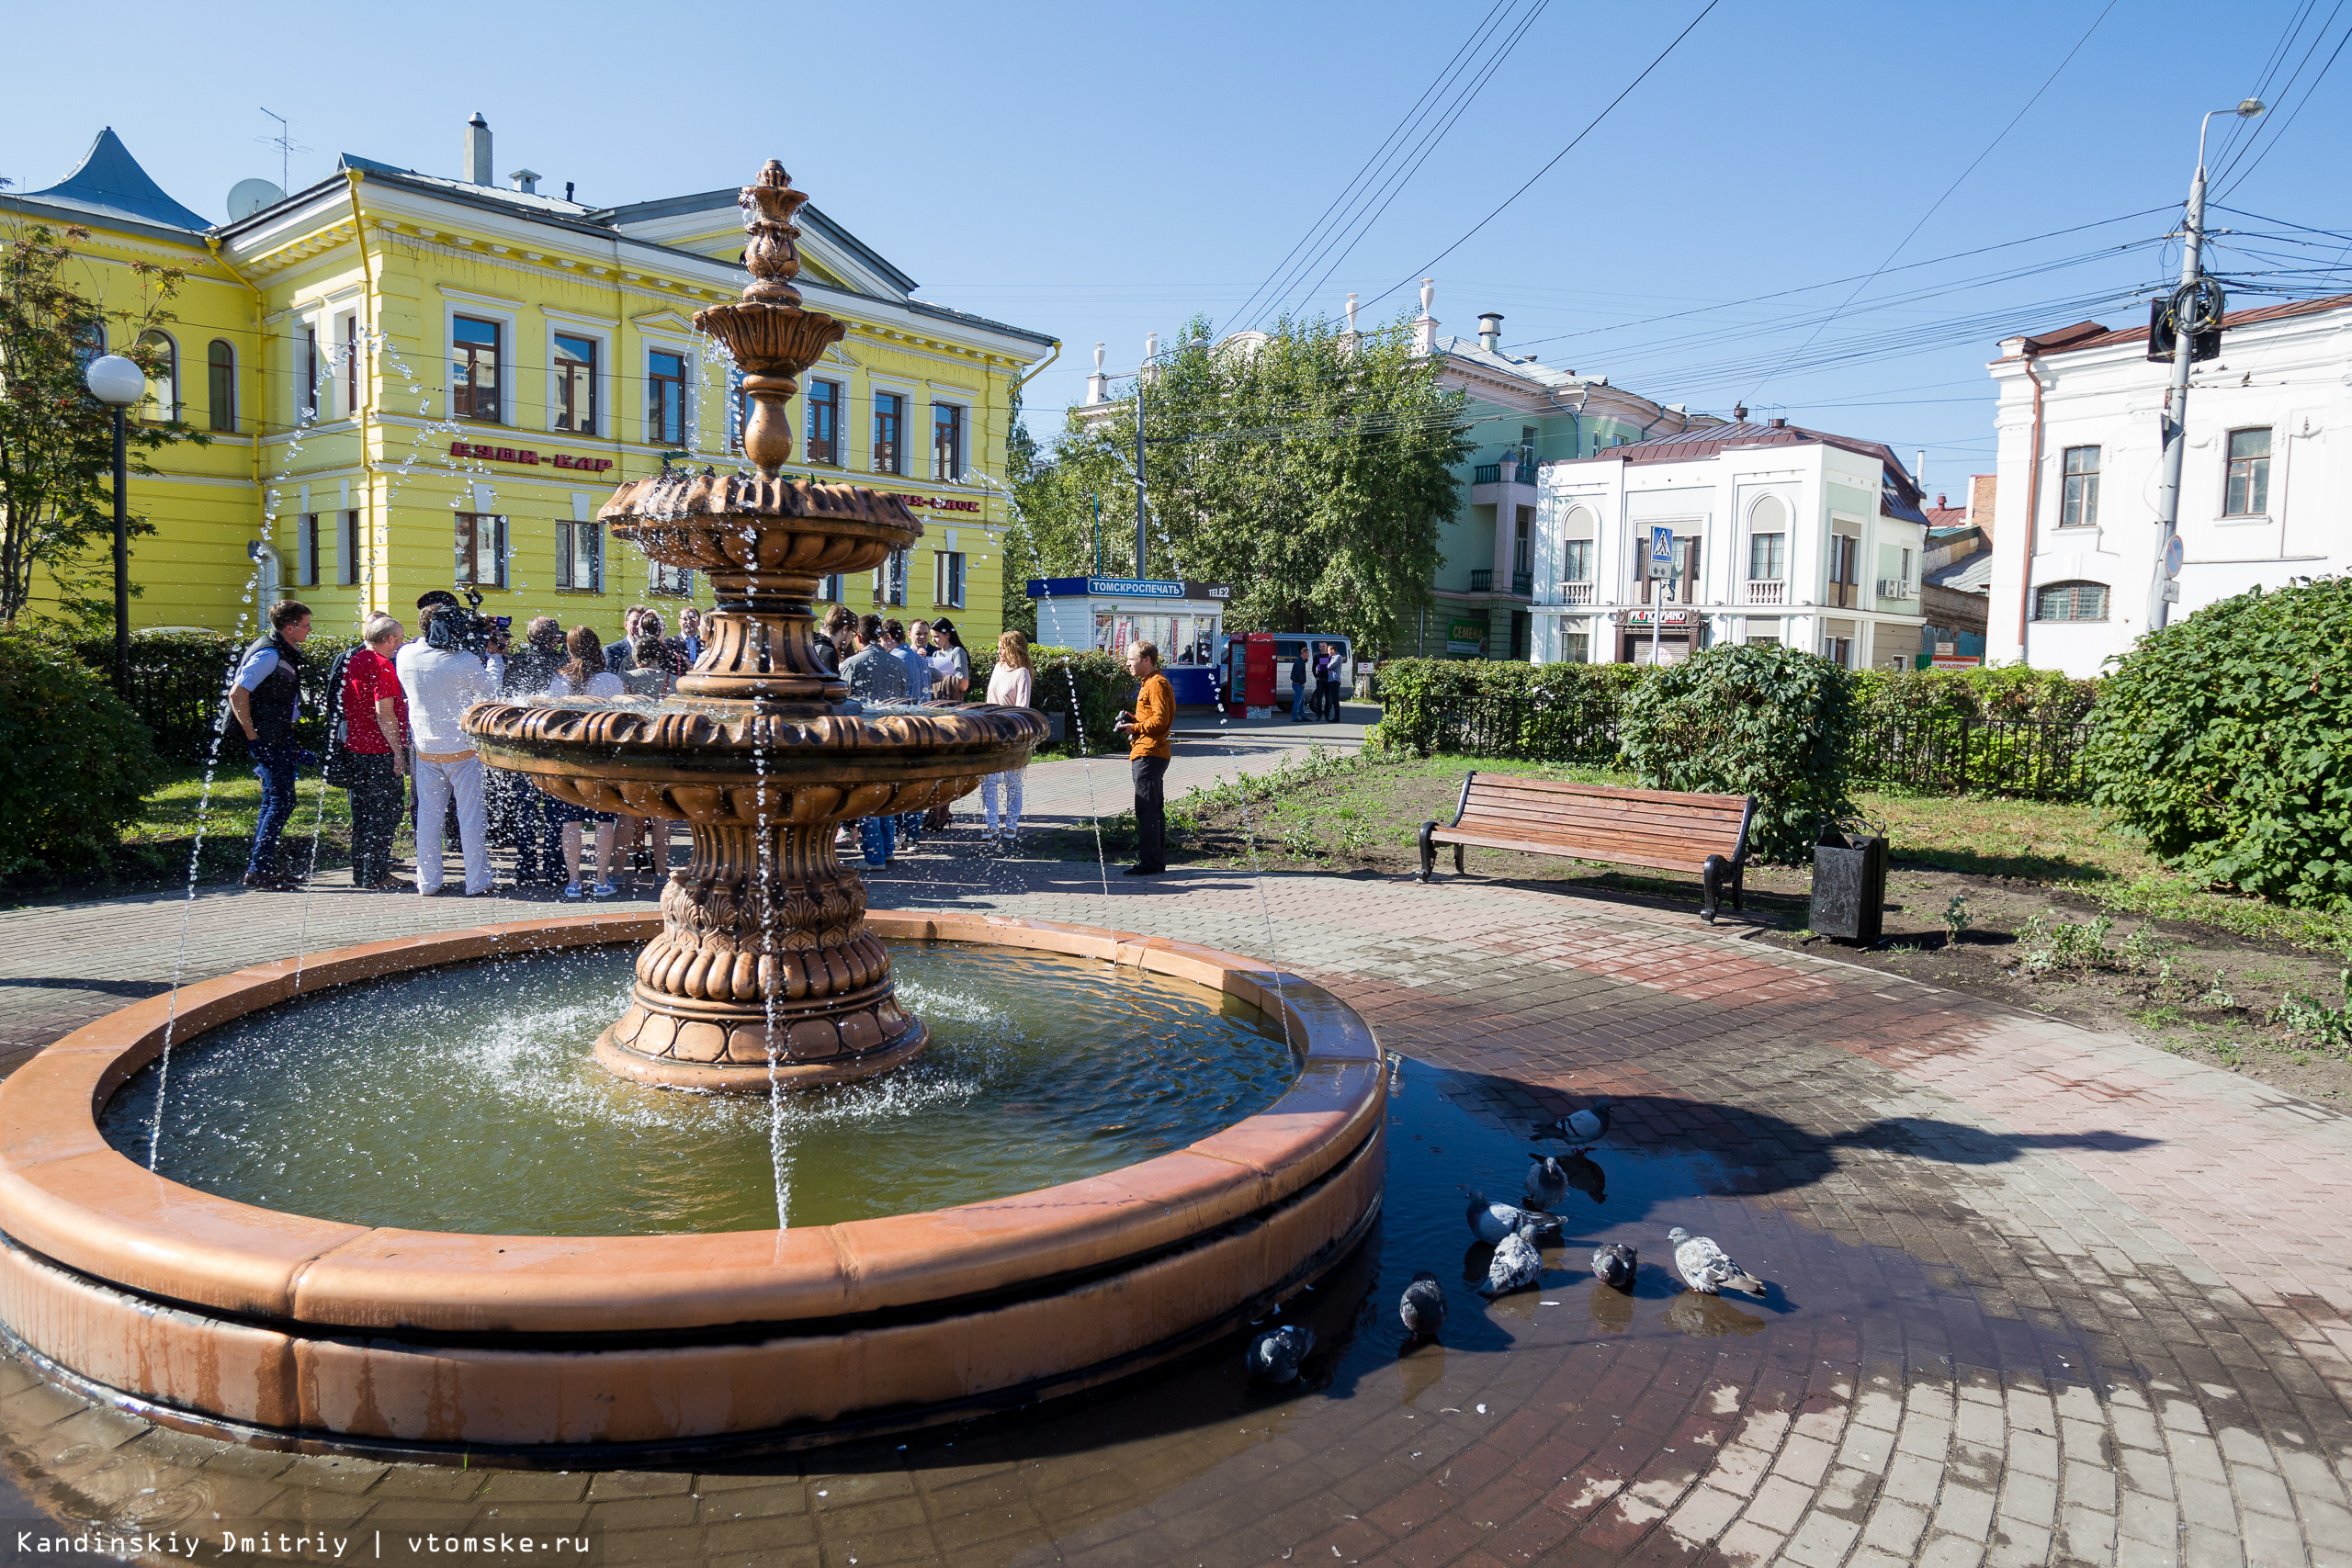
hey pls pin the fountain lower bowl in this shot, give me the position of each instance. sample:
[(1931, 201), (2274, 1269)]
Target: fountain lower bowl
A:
[(300, 1333)]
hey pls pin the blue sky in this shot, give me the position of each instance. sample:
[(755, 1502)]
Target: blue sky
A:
[(1099, 173)]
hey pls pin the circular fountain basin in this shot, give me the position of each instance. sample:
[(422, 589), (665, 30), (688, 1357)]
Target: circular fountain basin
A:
[(379, 1333)]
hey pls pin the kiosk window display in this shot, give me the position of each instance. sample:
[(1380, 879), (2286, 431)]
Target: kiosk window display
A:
[(1184, 620)]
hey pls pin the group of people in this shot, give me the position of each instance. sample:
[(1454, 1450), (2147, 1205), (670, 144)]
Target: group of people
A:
[(398, 745), (1315, 675)]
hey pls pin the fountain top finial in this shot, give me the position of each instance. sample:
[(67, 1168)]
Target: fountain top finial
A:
[(769, 203)]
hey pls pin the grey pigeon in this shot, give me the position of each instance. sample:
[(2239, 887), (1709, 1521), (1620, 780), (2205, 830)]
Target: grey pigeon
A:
[(1583, 1128), (1492, 1222), (1613, 1263), (1423, 1308), (1275, 1356), (1708, 1268), (1516, 1264), (1546, 1182)]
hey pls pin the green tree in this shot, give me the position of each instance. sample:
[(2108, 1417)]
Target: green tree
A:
[(1310, 469), (56, 440)]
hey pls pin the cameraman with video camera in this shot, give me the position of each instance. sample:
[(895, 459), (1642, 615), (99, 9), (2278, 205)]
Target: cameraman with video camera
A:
[(442, 675)]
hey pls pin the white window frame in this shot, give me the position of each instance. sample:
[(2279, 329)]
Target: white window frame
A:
[(510, 336), (500, 549), (947, 594), (348, 547), (603, 335), (960, 400), (691, 427), (911, 394)]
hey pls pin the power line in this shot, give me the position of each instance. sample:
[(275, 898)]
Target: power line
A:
[(2309, 94), (1379, 156), (1955, 185), (1563, 152)]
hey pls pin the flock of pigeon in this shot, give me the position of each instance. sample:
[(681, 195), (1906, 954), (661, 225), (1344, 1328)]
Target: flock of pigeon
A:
[(1513, 1230)]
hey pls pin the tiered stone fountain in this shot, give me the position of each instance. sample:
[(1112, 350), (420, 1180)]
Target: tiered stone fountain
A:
[(764, 971)]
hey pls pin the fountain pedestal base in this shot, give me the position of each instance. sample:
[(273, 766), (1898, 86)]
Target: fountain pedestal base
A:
[(764, 973)]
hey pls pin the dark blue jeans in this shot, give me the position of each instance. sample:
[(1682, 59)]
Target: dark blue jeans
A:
[(274, 765)]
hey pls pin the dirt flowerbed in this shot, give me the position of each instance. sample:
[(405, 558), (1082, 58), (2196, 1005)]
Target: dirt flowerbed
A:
[(2030, 903)]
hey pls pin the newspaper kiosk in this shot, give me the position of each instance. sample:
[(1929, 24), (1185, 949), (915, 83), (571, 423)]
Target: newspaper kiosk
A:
[(1184, 620)]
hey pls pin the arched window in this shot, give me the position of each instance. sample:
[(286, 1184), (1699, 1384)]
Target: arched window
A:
[(1767, 540), (162, 365), (2071, 602), (1576, 544), (221, 388)]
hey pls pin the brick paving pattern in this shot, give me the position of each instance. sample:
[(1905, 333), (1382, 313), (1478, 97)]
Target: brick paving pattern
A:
[(2062, 1299)]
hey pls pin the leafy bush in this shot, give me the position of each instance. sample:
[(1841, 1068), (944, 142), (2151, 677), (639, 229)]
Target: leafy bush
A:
[(179, 680), (1087, 689), (1546, 712), (2227, 740), (1764, 721), (2002, 691), (74, 762)]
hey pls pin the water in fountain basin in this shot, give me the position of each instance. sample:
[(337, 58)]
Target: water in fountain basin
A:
[(465, 1099)]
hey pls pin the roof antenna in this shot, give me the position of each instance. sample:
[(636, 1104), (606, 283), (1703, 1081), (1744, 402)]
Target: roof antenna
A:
[(287, 147)]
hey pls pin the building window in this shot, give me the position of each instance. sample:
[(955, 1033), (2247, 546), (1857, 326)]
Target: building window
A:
[(1763, 634), (307, 399), (89, 344), (946, 441), (2080, 508), (1768, 557), (346, 551), (1576, 648), (2249, 489), (665, 397), (347, 349), (580, 556), (1838, 651), (482, 550), (739, 409), (674, 579), (825, 422), (2071, 602), (220, 385), (306, 549), (473, 369), (947, 579), (889, 433), (891, 578), (1522, 545), (162, 355), (1575, 565), (832, 588), (1845, 568), (575, 384)]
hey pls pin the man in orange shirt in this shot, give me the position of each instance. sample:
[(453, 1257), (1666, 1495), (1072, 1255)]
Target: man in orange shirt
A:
[(1146, 730)]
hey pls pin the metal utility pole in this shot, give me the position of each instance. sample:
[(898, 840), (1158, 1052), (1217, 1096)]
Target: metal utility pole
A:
[(1098, 534), (2196, 307), (1139, 485)]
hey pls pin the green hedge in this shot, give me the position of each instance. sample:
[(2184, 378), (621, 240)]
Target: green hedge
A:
[(74, 762), (1766, 721), (1551, 710), (2227, 739), (1100, 683), (179, 684), (2004, 691)]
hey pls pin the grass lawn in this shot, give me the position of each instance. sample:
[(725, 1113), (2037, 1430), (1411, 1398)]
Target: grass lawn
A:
[(153, 851), (2046, 897)]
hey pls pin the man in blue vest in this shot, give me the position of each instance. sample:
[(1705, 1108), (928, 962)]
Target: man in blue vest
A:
[(266, 700)]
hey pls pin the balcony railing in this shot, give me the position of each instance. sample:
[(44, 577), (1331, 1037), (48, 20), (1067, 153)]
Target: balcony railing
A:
[(1523, 584), (1510, 470), (1760, 593), (1576, 593), (1487, 474), (1482, 579)]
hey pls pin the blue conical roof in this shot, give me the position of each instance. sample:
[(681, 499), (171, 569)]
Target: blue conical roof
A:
[(109, 183)]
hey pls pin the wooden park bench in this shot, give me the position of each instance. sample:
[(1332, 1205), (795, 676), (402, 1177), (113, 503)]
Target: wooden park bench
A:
[(1703, 833)]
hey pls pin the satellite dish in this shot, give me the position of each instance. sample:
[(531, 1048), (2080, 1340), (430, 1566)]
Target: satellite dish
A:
[(249, 197)]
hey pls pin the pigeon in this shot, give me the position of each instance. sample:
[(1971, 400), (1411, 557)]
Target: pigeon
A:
[(1546, 1182), (1275, 1356), (1423, 1308), (1492, 1222), (1613, 1264), (1516, 1264), (1583, 1128), (1708, 1268)]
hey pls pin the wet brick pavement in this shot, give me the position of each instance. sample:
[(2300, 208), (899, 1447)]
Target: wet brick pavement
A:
[(2059, 1298)]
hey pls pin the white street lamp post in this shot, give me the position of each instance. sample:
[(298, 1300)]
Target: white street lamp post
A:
[(117, 383)]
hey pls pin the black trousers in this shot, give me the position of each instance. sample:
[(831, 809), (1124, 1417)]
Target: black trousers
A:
[(1151, 810), (378, 799)]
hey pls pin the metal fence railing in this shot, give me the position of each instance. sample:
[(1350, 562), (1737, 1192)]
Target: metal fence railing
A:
[(1936, 754)]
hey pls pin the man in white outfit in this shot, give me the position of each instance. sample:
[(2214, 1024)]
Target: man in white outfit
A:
[(441, 681)]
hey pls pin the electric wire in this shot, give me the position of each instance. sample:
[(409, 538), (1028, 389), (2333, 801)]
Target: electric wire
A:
[(2309, 94), (1998, 138)]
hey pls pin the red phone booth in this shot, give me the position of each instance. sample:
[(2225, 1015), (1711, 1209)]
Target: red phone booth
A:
[(1258, 670)]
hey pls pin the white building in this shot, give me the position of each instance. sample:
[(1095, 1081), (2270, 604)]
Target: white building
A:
[(2263, 483), (1780, 534)]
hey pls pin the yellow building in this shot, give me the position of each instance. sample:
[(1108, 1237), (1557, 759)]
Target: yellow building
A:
[(414, 382)]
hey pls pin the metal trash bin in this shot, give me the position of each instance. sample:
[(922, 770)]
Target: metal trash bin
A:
[(1849, 882)]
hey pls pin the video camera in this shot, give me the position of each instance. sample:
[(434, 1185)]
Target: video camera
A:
[(465, 630)]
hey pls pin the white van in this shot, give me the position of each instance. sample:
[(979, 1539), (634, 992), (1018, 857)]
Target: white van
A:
[(1287, 646)]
